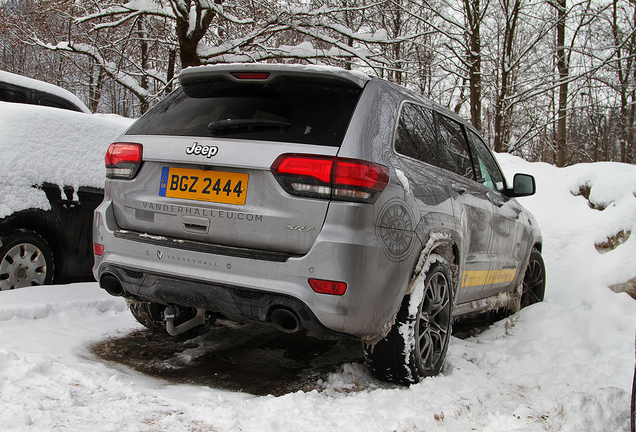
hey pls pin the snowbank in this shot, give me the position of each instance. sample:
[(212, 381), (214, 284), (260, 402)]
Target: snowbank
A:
[(587, 213)]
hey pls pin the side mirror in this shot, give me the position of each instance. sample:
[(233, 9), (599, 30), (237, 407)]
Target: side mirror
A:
[(522, 185)]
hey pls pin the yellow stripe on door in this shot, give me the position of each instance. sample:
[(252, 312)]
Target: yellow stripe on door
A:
[(487, 277)]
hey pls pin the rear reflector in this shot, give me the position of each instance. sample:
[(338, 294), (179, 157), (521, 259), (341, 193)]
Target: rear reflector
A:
[(330, 177), (328, 287), (98, 249), (123, 160)]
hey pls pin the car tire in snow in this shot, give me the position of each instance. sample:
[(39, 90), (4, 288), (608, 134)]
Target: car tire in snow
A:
[(150, 315), (25, 260), (533, 280), (417, 343)]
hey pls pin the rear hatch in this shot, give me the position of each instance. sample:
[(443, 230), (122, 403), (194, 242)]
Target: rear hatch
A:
[(208, 150)]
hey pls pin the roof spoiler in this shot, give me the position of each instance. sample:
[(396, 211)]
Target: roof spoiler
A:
[(259, 72)]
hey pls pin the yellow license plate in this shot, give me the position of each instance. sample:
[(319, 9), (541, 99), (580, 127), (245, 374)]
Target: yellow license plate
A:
[(201, 185)]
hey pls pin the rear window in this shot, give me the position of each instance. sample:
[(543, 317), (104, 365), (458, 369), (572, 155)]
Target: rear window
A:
[(288, 109)]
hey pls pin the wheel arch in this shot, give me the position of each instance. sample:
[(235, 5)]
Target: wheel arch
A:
[(398, 357), (441, 244)]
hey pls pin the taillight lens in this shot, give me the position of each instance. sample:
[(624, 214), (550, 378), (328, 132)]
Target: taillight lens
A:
[(123, 160), (330, 177), (328, 287)]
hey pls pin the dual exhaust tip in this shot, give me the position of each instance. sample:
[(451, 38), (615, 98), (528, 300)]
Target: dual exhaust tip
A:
[(283, 319), (112, 285), (286, 321)]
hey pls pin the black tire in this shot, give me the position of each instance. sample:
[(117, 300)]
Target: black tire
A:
[(533, 280), (417, 343), (25, 260), (150, 315)]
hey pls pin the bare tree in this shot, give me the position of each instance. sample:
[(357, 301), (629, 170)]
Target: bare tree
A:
[(563, 67), (563, 61), (624, 19), (135, 43), (475, 12), (459, 53), (511, 10)]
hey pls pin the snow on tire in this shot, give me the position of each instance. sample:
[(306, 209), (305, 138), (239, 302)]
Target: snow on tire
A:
[(417, 343)]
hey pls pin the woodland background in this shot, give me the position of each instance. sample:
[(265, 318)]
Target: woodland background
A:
[(549, 80)]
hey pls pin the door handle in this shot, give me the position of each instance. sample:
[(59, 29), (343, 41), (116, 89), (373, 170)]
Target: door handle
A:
[(458, 188), (496, 201)]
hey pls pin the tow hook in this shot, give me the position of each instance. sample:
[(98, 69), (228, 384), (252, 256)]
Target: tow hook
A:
[(171, 313)]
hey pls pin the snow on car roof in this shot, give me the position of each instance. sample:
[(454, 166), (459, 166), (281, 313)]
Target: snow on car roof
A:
[(31, 83), (41, 144)]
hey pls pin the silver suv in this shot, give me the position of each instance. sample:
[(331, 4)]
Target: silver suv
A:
[(314, 199)]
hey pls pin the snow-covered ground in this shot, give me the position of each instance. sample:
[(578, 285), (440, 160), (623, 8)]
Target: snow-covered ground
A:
[(565, 364)]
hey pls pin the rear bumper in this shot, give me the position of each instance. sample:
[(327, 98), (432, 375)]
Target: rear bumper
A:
[(248, 288), (232, 302)]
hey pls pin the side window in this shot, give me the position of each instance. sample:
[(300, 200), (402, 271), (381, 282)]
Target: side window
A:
[(415, 135), (454, 154), (9, 95), (57, 103), (490, 174)]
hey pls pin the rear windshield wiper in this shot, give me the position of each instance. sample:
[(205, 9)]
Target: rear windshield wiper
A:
[(238, 123)]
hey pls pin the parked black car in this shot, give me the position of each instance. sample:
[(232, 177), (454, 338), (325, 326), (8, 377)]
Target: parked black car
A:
[(51, 181)]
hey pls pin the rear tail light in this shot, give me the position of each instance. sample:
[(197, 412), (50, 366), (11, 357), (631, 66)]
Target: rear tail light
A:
[(123, 160), (328, 287), (330, 177)]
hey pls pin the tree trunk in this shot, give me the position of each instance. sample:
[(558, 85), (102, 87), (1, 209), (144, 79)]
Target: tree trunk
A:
[(623, 77), (172, 57), (144, 103), (473, 13), (501, 105), (187, 45), (563, 86), (189, 38), (95, 87), (499, 145)]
